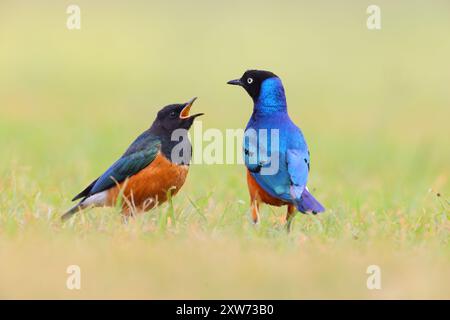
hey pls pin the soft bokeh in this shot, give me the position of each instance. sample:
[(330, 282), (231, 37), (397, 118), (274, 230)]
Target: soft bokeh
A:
[(373, 105)]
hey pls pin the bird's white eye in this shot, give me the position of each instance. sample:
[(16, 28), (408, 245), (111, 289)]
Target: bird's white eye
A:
[(249, 80)]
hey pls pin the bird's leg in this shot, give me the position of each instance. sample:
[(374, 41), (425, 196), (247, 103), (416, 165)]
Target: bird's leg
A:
[(254, 198), (127, 213), (255, 211), (290, 216)]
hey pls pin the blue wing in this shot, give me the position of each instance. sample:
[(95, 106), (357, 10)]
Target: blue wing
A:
[(290, 179), (138, 156), (298, 168)]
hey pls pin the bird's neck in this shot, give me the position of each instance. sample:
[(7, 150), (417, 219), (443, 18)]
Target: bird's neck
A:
[(183, 152), (271, 99)]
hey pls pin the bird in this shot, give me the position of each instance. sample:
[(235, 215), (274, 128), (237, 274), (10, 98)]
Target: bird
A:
[(286, 184), (153, 167)]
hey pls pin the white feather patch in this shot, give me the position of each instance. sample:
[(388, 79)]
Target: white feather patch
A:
[(98, 199)]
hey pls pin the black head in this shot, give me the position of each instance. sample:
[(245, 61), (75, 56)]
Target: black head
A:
[(175, 116), (251, 81)]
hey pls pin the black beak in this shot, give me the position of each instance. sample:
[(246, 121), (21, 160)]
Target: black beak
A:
[(185, 112), (196, 115), (236, 82)]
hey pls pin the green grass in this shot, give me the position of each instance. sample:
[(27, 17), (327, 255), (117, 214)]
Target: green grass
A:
[(374, 107)]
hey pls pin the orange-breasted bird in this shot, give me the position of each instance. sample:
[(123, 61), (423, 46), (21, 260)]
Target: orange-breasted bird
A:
[(277, 158), (155, 164)]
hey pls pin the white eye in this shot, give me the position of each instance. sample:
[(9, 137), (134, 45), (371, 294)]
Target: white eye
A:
[(249, 80)]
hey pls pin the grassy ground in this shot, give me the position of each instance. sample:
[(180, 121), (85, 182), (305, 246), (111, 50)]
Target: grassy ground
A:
[(374, 106)]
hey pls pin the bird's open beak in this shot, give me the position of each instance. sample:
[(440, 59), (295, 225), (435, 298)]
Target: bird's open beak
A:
[(184, 114), (236, 82)]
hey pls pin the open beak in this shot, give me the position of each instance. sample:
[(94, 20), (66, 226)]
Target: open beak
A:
[(184, 114), (236, 82)]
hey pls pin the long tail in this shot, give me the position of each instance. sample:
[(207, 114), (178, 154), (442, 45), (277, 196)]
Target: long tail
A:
[(77, 208), (307, 203), (95, 200)]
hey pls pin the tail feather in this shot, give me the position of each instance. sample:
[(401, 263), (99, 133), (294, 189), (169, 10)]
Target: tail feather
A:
[(86, 192), (78, 207), (307, 203), (96, 200)]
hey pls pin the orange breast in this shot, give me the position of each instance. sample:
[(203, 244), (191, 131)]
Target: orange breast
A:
[(150, 186), (259, 194)]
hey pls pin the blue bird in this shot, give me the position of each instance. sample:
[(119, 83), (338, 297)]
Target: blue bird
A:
[(275, 152)]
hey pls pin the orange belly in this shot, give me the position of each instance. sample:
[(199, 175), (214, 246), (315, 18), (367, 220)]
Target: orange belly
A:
[(150, 186), (259, 194)]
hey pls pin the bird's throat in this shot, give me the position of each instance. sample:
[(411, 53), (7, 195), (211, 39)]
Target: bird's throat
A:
[(272, 98)]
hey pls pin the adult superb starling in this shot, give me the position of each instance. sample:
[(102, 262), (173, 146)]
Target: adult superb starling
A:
[(155, 163), (286, 184)]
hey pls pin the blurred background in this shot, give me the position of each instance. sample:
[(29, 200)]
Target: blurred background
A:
[(374, 106)]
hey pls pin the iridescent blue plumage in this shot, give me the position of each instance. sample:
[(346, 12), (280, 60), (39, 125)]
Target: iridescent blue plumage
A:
[(288, 182)]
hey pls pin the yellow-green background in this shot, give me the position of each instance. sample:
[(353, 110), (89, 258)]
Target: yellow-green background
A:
[(373, 105)]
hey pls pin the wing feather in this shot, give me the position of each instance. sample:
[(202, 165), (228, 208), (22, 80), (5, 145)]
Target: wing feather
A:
[(139, 155)]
